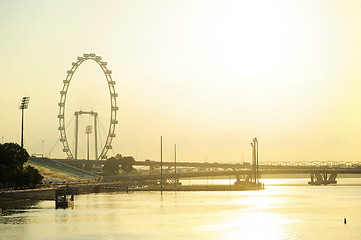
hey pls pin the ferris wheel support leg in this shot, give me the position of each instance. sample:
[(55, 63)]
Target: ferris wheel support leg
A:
[(76, 134), (96, 137)]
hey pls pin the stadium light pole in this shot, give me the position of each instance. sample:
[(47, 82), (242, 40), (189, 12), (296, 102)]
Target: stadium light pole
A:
[(23, 105), (88, 131)]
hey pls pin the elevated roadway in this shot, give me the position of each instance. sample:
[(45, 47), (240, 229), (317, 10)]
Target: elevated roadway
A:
[(241, 172), (319, 171), (165, 164), (267, 168)]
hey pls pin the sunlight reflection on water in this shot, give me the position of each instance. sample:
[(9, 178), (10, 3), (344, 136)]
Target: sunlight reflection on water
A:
[(253, 225)]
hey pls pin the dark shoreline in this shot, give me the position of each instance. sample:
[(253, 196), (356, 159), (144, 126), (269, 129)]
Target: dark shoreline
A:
[(41, 194)]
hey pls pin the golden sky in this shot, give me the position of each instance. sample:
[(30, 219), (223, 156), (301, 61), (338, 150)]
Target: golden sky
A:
[(206, 75)]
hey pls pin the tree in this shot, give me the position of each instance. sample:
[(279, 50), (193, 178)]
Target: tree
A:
[(12, 171), (127, 164), (12, 159), (111, 165), (13, 156), (31, 177)]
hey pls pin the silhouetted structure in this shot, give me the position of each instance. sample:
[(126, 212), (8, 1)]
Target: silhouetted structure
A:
[(23, 105), (64, 198)]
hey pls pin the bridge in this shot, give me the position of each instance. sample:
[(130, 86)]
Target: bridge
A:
[(276, 164), (318, 176), (320, 172)]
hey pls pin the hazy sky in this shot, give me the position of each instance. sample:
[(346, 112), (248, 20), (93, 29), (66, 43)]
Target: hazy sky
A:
[(206, 75)]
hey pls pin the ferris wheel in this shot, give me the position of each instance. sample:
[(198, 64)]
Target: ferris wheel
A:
[(89, 103)]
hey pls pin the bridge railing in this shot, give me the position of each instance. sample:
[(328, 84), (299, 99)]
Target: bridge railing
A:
[(313, 164)]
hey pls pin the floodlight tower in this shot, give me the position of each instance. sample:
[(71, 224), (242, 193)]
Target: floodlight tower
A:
[(88, 131), (23, 105)]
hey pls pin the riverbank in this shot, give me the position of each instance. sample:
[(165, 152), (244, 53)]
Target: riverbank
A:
[(49, 192)]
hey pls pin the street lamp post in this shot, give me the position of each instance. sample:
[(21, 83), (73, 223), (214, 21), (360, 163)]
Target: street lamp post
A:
[(23, 105)]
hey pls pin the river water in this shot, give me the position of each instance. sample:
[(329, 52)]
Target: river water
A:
[(286, 209)]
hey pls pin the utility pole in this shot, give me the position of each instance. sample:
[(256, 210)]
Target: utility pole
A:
[(257, 161), (253, 164), (175, 165), (23, 105), (161, 164), (254, 145)]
